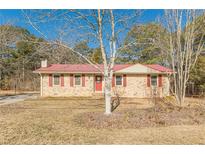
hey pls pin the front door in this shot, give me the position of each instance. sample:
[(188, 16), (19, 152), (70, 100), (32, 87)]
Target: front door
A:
[(98, 83)]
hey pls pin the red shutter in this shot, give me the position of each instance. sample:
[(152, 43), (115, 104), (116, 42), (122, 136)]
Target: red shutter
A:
[(148, 80), (160, 80), (71, 80), (62, 80), (124, 80), (83, 80), (113, 80), (50, 80)]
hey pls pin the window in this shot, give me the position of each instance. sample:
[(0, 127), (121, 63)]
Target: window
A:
[(77, 80), (98, 79), (154, 80), (56, 79), (118, 80)]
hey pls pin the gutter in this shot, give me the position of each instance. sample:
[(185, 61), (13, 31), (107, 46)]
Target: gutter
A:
[(101, 73)]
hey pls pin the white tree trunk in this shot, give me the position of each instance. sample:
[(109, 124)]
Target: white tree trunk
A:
[(183, 53), (107, 86), (108, 107)]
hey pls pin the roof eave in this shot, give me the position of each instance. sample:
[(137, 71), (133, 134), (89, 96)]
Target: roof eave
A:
[(48, 72), (52, 72)]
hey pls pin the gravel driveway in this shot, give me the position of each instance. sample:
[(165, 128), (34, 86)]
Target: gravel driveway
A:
[(16, 98)]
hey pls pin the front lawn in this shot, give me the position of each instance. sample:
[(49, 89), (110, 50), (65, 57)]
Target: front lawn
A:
[(81, 121)]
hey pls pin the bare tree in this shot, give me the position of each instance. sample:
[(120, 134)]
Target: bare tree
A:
[(102, 27), (183, 45)]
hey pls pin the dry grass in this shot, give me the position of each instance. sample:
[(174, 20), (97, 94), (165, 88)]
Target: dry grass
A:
[(55, 121), (13, 92)]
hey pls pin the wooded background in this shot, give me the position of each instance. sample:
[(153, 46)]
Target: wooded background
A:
[(21, 53)]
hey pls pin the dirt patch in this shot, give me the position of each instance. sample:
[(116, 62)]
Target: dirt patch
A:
[(161, 114)]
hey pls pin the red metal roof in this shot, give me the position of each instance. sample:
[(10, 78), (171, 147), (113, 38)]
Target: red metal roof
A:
[(87, 68), (159, 68), (77, 68)]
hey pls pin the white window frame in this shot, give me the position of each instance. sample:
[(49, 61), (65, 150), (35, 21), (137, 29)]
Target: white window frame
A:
[(59, 80), (151, 80), (80, 80), (116, 80)]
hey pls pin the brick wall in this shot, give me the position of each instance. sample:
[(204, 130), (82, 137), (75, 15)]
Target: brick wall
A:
[(67, 90), (136, 87)]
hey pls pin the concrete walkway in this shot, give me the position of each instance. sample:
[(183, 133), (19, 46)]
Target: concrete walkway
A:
[(16, 98)]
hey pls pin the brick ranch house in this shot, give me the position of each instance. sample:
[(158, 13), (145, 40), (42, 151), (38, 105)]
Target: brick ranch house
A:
[(129, 80)]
